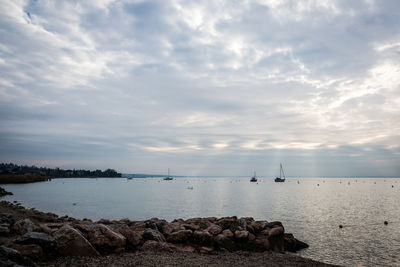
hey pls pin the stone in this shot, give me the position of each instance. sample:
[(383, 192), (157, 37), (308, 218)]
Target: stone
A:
[(259, 244), (103, 239), (186, 248), (152, 234), (167, 228), (44, 240), (6, 221), (155, 245), (227, 233), (241, 235), (203, 223), (258, 226), (133, 238), (24, 226), (227, 222), (202, 238), (32, 251), (224, 242), (138, 226), (278, 230), (292, 244), (206, 250), (11, 257), (181, 236), (70, 242), (191, 226), (214, 229), (49, 228)]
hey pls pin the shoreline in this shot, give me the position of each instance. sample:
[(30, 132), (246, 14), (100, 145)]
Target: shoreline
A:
[(46, 239)]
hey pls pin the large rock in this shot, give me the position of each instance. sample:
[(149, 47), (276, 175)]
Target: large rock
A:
[(224, 242), (152, 234), (227, 233), (103, 239), (203, 223), (191, 226), (227, 222), (32, 251), (241, 235), (259, 244), (24, 226), (276, 231), (133, 238), (70, 242), (155, 245), (202, 238), (292, 244), (214, 229), (6, 221), (11, 257), (258, 226), (43, 240), (168, 228), (181, 236)]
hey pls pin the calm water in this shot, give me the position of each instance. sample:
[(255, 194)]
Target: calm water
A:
[(311, 212)]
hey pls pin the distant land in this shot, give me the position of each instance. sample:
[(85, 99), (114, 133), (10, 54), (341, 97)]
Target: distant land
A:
[(13, 173)]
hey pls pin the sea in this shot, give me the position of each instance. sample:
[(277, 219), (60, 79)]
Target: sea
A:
[(310, 208)]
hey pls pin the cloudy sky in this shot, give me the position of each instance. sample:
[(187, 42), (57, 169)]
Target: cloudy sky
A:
[(202, 87)]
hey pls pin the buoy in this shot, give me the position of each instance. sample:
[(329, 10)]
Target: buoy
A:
[(385, 222), (340, 226), (392, 186), (317, 184)]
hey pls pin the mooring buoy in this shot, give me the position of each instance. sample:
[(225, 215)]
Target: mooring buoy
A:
[(340, 226), (385, 222)]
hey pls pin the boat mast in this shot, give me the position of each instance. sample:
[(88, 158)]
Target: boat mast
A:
[(284, 177), (168, 172)]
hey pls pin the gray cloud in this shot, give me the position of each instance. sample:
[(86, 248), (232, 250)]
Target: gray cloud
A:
[(204, 88)]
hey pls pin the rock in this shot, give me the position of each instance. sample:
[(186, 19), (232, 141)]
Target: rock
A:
[(155, 245), (274, 224), (258, 226), (186, 248), (214, 229), (4, 229), (152, 234), (181, 236), (133, 238), (206, 250), (278, 230), (250, 229), (251, 237), (103, 239), (227, 233), (239, 224), (224, 242), (190, 226), (6, 221), (276, 243), (49, 228), (70, 242), (292, 244), (32, 251), (241, 235), (138, 226), (4, 192), (24, 226), (259, 244), (202, 238), (226, 222), (44, 240), (203, 223), (11, 257), (169, 228)]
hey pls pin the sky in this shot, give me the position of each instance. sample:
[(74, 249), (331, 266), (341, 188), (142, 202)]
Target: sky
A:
[(202, 87)]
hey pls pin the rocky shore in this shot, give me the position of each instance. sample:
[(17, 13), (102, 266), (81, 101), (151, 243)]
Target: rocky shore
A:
[(29, 237)]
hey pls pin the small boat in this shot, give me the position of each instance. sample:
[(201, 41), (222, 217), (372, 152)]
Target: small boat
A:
[(281, 172), (168, 178), (254, 178)]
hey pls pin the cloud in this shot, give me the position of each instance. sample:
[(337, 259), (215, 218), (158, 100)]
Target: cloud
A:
[(191, 84)]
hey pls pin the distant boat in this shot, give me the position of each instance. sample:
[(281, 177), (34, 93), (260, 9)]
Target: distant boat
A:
[(281, 172), (130, 178), (168, 178), (254, 178)]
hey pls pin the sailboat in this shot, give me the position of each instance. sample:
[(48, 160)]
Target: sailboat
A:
[(254, 178), (279, 179), (168, 178)]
